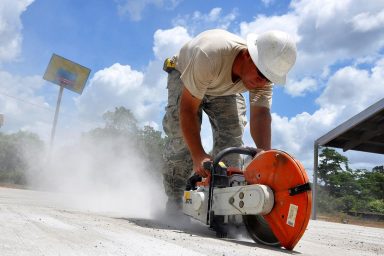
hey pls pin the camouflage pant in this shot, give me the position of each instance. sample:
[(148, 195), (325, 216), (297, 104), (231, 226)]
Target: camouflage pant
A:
[(227, 117)]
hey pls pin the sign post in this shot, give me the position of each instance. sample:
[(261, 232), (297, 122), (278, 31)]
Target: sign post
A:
[(67, 74), (53, 131)]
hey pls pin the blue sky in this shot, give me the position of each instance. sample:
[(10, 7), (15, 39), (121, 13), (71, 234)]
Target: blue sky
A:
[(339, 70)]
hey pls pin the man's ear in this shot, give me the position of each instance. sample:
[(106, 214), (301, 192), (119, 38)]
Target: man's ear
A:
[(247, 56), (246, 53)]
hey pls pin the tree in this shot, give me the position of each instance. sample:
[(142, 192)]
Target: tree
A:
[(344, 189), (121, 135), (119, 125), (333, 170), (376, 206), (19, 153), (372, 183), (151, 139), (344, 183), (152, 147), (121, 119)]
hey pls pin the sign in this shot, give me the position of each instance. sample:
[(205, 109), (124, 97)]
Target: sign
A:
[(67, 74)]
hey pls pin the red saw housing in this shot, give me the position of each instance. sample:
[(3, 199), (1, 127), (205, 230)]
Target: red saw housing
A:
[(293, 198)]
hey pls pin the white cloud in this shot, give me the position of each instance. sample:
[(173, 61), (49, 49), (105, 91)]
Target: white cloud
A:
[(296, 135), (10, 28), (168, 42), (198, 22), (112, 87), (287, 22), (366, 21), (353, 87), (299, 88), (328, 36), (22, 106), (134, 8)]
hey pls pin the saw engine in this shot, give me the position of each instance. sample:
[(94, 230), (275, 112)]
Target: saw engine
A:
[(270, 196)]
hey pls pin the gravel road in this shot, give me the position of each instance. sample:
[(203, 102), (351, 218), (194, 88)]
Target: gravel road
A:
[(40, 223)]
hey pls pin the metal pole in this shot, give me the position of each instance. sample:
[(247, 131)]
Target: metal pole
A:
[(314, 187), (56, 116)]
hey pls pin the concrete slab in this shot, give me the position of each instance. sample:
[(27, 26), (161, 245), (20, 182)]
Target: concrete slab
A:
[(40, 223)]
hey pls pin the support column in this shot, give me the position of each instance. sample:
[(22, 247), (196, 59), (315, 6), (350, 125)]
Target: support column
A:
[(314, 184)]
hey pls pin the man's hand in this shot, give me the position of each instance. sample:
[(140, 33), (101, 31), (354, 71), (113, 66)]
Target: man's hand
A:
[(198, 165), (258, 151)]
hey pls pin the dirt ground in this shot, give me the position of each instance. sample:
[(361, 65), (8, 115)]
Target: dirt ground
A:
[(347, 219), (39, 223)]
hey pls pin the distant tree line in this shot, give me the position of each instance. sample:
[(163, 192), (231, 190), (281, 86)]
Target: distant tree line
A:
[(22, 153), (342, 189)]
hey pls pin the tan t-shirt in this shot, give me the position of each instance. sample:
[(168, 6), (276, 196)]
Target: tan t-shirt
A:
[(205, 64)]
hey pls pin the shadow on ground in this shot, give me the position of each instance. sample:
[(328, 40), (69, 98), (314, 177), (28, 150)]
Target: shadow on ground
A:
[(196, 228)]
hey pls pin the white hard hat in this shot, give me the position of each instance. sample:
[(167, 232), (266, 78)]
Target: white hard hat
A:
[(274, 54)]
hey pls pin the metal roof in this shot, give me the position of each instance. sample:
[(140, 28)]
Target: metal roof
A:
[(363, 132)]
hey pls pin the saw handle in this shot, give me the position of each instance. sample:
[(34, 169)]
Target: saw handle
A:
[(212, 165), (207, 165), (233, 150)]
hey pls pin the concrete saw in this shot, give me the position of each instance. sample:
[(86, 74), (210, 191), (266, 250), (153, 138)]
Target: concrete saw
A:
[(270, 196)]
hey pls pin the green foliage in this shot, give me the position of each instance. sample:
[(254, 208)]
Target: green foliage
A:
[(121, 119), (19, 152), (122, 135), (331, 164), (120, 125), (372, 183), (151, 140), (376, 206), (326, 203), (342, 190), (348, 203)]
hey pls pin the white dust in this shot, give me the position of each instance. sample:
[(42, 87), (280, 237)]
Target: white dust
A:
[(104, 176)]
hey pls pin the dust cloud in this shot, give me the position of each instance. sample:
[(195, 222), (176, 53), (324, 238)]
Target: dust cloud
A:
[(104, 176)]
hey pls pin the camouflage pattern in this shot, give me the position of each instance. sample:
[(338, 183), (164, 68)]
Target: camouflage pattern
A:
[(228, 119)]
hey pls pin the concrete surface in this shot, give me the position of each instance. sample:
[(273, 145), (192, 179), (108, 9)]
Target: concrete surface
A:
[(38, 223)]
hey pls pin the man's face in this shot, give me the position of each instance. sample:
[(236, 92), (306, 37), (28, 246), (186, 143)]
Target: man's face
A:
[(252, 77)]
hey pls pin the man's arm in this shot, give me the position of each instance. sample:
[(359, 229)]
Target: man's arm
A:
[(190, 127), (261, 126)]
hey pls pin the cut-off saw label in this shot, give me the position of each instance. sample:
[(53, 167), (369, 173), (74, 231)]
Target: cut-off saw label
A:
[(292, 215)]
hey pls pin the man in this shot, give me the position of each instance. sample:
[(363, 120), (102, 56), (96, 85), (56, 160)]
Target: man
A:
[(211, 72)]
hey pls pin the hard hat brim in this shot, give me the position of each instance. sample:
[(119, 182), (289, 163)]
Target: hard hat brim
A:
[(254, 53)]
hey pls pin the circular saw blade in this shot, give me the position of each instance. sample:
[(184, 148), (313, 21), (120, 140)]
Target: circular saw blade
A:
[(259, 230)]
